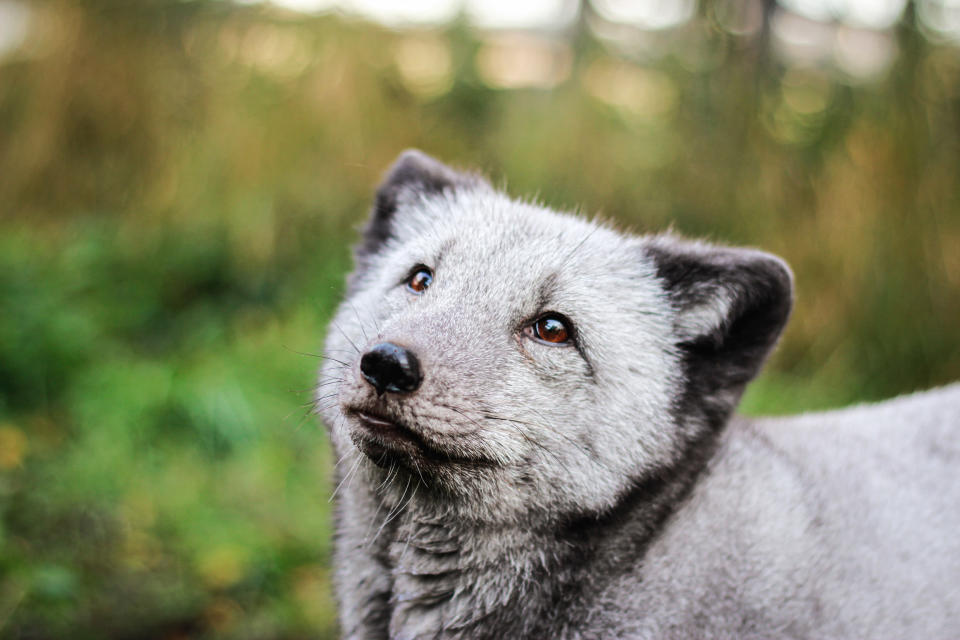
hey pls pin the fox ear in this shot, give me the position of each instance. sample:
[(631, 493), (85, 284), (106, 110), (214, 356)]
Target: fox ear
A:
[(730, 307), (412, 175)]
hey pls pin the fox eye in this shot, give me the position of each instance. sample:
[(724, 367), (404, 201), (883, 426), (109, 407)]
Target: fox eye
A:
[(419, 280), (551, 329)]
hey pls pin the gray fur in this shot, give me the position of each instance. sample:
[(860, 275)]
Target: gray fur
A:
[(601, 489)]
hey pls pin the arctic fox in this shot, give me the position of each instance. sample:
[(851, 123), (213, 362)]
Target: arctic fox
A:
[(533, 418)]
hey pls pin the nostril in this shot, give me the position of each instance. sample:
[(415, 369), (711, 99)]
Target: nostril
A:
[(390, 367)]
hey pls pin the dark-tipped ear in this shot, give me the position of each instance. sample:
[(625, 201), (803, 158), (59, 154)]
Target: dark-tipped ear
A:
[(413, 173), (730, 307)]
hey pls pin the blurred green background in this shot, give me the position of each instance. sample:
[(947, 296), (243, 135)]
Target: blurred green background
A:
[(180, 182)]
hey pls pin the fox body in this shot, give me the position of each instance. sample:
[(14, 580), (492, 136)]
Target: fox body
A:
[(533, 416)]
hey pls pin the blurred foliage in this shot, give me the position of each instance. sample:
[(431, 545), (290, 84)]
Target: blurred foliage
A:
[(180, 181)]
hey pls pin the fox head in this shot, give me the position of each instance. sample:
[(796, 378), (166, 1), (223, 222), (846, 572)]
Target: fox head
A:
[(513, 362)]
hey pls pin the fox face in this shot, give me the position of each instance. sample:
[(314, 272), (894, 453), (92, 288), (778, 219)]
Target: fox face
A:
[(510, 363)]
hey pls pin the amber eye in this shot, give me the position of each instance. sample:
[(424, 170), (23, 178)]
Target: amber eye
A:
[(419, 280), (550, 329)]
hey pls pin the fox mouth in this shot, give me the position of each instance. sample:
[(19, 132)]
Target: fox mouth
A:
[(385, 440), (381, 438)]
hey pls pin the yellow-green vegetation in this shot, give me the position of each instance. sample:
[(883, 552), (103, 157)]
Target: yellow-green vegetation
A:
[(179, 183)]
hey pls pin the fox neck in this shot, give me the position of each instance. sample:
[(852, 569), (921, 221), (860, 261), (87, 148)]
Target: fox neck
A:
[(454, 580)]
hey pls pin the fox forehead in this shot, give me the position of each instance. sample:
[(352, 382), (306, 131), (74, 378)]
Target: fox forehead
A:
[(484, 242), (490, 222)]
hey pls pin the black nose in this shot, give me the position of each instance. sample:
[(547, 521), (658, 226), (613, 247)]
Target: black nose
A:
[(389, 367)]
